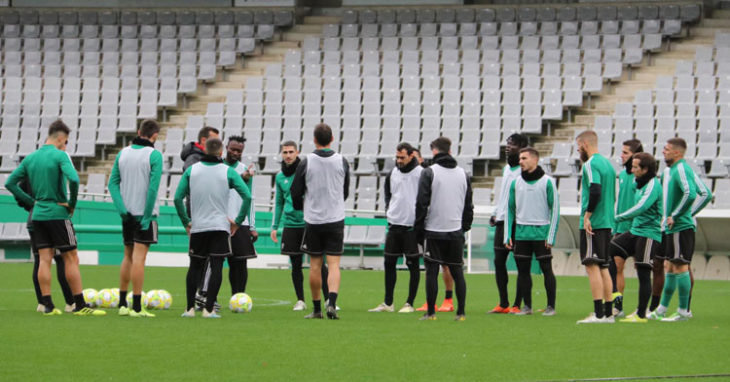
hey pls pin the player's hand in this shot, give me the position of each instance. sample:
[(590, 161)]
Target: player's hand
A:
[(548, 245), (187, 229), (492, 221), (234, 227), (68, 208), (587, 225), (273, 236), (254, 236), (670, 222), (508, 244), (144, 224)]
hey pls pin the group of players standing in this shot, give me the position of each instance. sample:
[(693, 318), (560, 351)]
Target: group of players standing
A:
[(428, 209)]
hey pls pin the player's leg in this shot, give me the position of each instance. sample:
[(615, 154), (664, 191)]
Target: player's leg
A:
[(389, 263), (195, 270), (297, 275), (500, 269), (457, 274), (620, 248), (325, 275), (432, 286), (61, 276), (658, 273), (235, 274), (680, 267), (44, 277), (36, 285), (524, 281), (139, 257), (333, 282), (73, 275), (214, 285), (546, 266), (414, 269), (448, 304), (590, 261), (644, 274), (315, 284), (125, 276), (691, 288), (620, 283)]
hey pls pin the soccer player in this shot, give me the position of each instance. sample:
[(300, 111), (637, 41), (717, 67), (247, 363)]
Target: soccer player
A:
[(624, 201), (598, 193), (680, 192), (133, 186), (401, 187), (48, 170), (444, 212), (206, 183), (510, 172), (643, 237), (534, 211), (292, 222), (193, 152), (320, 187)]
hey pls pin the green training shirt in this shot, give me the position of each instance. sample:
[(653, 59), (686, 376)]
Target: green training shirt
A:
[(47, 169), (645, 215), (626, 192), (543, 214), (284, 214), (598, 170), (680, 192), (134, 183)]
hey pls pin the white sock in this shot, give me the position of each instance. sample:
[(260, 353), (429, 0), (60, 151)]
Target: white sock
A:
[(661, 309), (683, 312)]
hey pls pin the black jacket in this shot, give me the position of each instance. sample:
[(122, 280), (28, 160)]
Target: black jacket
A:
[(191, 154), (299, 184)]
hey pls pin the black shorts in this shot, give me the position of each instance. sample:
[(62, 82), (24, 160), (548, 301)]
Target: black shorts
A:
[(643, 249), (291, 240), (679, 246), (402, 241), (210, 243), (445, 251), (594, 248), (132, 232), (58, 234), (326, 239), (242, 244), (525, 249)]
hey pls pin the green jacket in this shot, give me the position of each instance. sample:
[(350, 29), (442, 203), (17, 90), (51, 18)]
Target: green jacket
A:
[(155, 175), (645, 216), (47, 169), (626, 191), (680, 192), (546, 232), (284, 213), (598, 170)]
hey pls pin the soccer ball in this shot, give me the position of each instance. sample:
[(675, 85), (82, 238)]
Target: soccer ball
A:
[(130, 299), (105, 298), (240, 303), (90, 296), (166, 298), (115, 298), (154, 299)]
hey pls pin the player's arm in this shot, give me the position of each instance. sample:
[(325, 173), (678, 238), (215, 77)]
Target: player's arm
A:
[(467, 215), (155, 176), (235, 182), (553, 201), (346, 166), (68, 170), (183, 191), (11, 184), (386, 191), (648, 198), (423, 201), (114, 181), (299, 186), (278, 205), (511, 208), (704, 196), (252, 209), (689, 193)]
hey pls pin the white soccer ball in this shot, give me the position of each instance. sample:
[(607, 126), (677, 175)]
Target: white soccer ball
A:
[(155, 299), (90, 296), (105, 298), (166, 299), (240, 303), (130, 299), (115, 300)]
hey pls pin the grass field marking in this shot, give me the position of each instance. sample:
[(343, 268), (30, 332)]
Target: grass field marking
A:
[(643, 378)]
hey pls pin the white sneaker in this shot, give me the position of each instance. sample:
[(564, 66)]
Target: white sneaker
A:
[(40, 308), (592, 319), (676, 317), (382, 308), (189, 313), (609, 320), (689, 314), (70, 308), (618, 313), (327, 303), (213, 314), (300, 305), (407, 308)]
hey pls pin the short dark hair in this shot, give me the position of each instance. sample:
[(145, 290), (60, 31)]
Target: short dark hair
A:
[(148, 128), (634, 145), (441, 144), (213, 146), (290, 144), (58, 127), (588, 136), (205, 132), (323, 134), (646, 161), (518, 139), (678, 143), (405, 146), (236, 138), (531, 151)]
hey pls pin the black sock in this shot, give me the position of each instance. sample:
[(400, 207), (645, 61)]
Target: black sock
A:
[(80, 302), (612, 271), (608, 309), (68, 296), (317, 306), (618, 302), (244, 280), (518, 297), (644, 275), (137, 302), (432, 285), (297, 276), (122, 298), (690, 300), (501, 275), (449, 294), (654, 302), (414, 269), (524, 279), (333, 299), (36, 284), (48, 303), (192, 280), (216, 276), (598, 308), (235, 275), (390, 278), (460, 285), (546, 266), (325, 286)]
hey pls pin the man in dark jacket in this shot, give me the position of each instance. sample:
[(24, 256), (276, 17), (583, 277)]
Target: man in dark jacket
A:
[(192, 152)]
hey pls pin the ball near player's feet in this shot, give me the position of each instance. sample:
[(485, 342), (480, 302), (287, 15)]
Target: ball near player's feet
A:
[(240, 303)]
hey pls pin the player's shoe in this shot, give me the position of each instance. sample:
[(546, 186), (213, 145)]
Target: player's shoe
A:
[(69, 308), (609, 320), (207, 314), (52, 312), (124, 311), (634, 319), (460, 317), (314, 315), (428, 317), (656, 316), (689, 314), (86, 311), (382, 308), (618, 313), (199, 301), (514, 310), (549, 311), (40, 308), (407, 308), (299, 306), (327, 303), (498, 310), (141, 314), (447, 305), (189, 313), (591, 319), (332, 313), (525, 311), (676, 317), (423, 308)]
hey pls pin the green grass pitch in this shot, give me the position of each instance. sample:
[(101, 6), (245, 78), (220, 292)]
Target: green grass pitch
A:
[(275, 343)]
